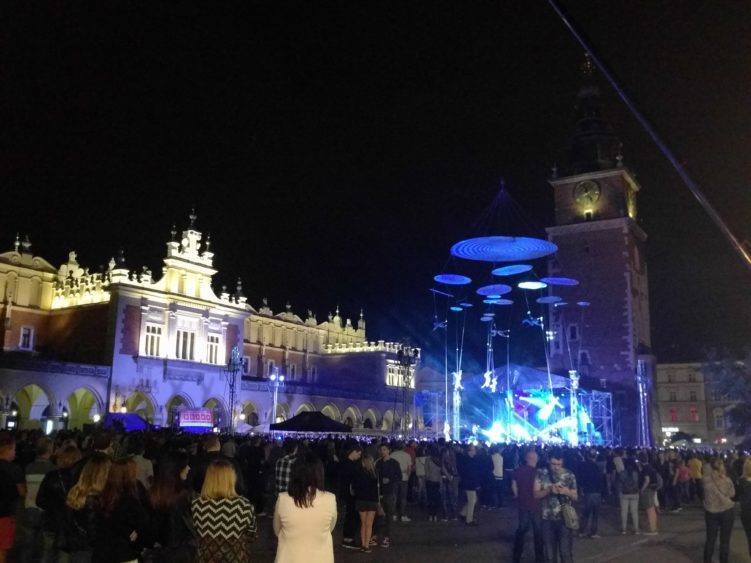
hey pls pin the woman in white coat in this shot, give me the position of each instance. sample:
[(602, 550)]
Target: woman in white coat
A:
[(305, 516)]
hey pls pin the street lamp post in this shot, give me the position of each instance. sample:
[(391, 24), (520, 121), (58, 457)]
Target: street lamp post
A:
[(277, 379), (407, 358), (234, 365)]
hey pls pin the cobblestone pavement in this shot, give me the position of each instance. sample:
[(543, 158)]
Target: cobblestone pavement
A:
[(681, 539)]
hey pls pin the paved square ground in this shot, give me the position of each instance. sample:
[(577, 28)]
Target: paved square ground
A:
[(681, 540)]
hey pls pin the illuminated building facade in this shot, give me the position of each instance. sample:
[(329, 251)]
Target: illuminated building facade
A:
[(77, 343)]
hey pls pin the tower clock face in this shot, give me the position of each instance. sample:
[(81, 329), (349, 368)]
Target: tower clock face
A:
[(587, 192)]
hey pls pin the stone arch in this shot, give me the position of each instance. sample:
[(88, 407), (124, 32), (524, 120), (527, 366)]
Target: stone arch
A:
[(332, 411), (174, 405), (252, 417), (83, 404), (352, 417), (282, 413), (305, 407), (33, 403), (389, 422), (141, 404), (220, 412), (371, 418)]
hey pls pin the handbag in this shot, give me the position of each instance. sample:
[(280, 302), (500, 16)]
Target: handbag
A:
[(570, 517)]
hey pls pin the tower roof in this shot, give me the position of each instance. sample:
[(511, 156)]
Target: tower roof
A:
[(593, 145)]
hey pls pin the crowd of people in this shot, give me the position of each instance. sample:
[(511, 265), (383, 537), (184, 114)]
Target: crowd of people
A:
[(168, 496)]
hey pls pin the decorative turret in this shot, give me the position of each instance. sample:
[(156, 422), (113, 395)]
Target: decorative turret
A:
[(16, 243), (26, 245), (361, 322)]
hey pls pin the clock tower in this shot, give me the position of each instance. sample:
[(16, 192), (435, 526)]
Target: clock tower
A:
[(603, 331)]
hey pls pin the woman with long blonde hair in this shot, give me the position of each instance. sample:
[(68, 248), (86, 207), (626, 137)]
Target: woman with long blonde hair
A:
[(91, 482), (719, 509), (225, 522), (365, 488)]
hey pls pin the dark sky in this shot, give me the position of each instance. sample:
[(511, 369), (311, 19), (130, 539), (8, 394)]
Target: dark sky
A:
[(335, 150)]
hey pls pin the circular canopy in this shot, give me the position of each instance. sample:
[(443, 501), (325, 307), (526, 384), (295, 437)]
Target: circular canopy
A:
[(560, 281), (466, 305), (512, 270), (503, 302), (486, 319), (561, 304), (452, 279), (495, 289), (488, 314), (583, 303), (532, 285), (492, 301), (549, 299), (502, 249), (456, 309)]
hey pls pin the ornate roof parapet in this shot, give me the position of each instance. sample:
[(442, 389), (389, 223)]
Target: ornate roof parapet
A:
[(77, 286), (357, 347), (264, 309), (310, 319)]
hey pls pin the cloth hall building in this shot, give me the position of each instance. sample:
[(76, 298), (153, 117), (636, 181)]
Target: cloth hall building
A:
[(76, 344)]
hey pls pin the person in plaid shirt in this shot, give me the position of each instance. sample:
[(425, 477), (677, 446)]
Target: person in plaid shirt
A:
[(283, 469)]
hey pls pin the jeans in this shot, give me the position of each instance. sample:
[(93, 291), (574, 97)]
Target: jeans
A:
[(721, 522), (468, 510), (591, 513), (558, 541), (401, 498), (746, 521), (351, 519), (527, 520), (629, 503), (498, 492), (450, 492), (433, 489), (29, 536), (388, 501)]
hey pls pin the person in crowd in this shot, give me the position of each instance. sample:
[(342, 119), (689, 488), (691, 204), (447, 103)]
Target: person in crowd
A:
[(522, 486), (389, 476), (496, 458), (404, 459), (470, 475), (84, 504), (253, 459), (305, 515), (694, 466), (743, 496), (628, 487), (591, 483), (421, 458), (719, 509), (122, 528), (145, 468), (350, 468), (51, 497), (12, 492), (212, 451), (649, 485), (283, 466), (556, 487), (169, 500), (682, 481), (32, 525), (450, 482), (224, 521), (433, 483), (365, 492)]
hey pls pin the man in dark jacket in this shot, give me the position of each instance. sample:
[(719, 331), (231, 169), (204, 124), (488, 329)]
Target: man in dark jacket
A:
[(349, 467), (389, 476), (470, 474), (592, 483), (212, 448)]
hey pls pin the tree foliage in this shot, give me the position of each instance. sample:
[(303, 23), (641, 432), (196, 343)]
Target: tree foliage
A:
[(729, 379)]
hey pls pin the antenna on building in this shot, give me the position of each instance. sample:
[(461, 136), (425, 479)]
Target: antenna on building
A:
[(239, 288), (192, 217), (17, 242), (173, 233), (121, 257), (207, 243), (26, 244)]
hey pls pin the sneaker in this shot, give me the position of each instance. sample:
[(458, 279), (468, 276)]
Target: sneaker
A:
[(637, 533), (473, 523), (373, 542), (650, 533), (444, 519), (623, 532), (406, 519), (595, 536), (366, 550), (394, 518), (386, 542), (350, 545)]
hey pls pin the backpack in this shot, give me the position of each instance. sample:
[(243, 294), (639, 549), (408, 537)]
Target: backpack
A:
[(629, 484)]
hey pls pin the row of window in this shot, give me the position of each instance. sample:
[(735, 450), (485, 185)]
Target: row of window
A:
[(270, 367), (693, 414), (185, 344), (673, 396)]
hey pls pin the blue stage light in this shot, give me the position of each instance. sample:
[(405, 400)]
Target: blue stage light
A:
[(494, 289), (452, 279), (456, 309), (502, 249), (533, 285), (512, 270)]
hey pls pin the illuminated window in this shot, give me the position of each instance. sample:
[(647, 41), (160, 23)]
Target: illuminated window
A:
[(587, 215), (212, 352), (673, 415), (694, 414), (26, 342), (153, 344), (185, 343)]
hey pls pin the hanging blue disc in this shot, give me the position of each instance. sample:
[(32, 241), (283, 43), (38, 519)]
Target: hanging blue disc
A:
[(457, 309), (534, 285), (466, 305), (488, 314), (502, 249), (560, 304), (583, 303), (495, 289), (492, 301), (452, 279), (503, 302), (511, 270), (560, 281), (548, 299), (486, 319)]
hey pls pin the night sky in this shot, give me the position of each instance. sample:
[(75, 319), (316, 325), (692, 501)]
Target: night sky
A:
[(335, 150)]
